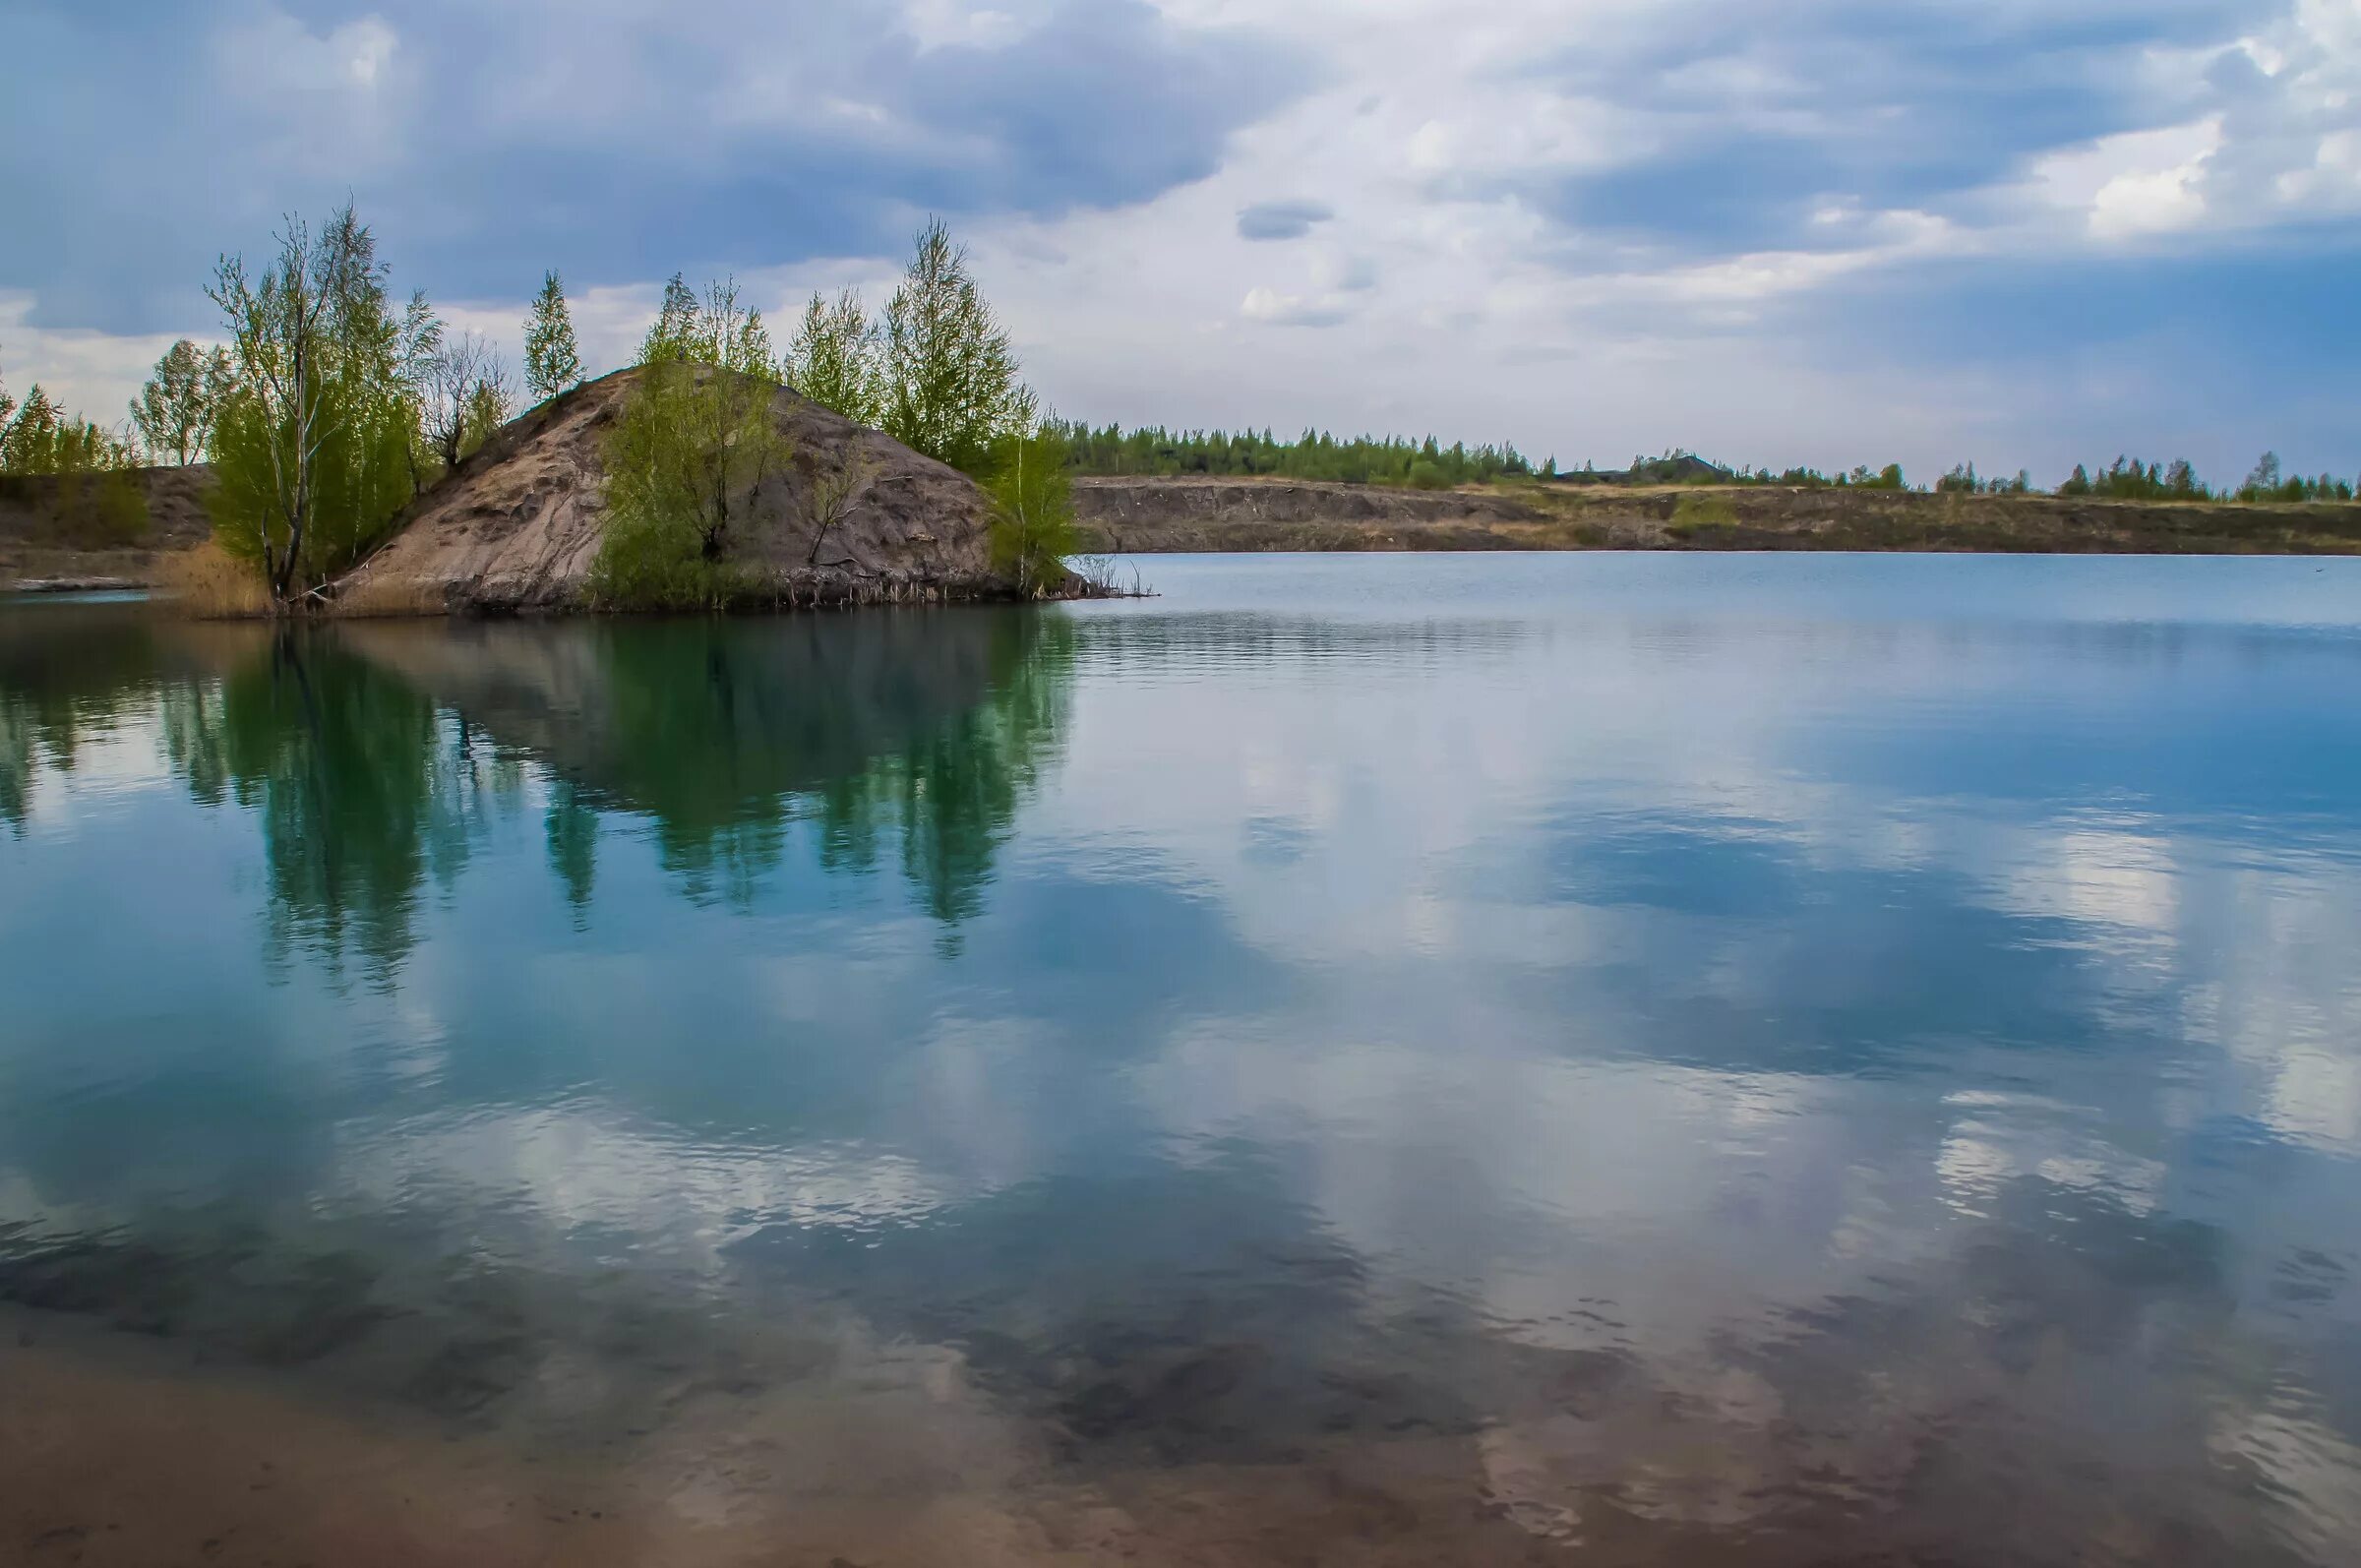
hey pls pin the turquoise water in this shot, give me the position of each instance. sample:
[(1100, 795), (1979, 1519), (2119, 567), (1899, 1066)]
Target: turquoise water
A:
[(1677, 1057)]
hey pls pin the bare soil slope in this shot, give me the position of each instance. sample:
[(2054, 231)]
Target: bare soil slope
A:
[(1217, 515), (43, 537), (517, 525)]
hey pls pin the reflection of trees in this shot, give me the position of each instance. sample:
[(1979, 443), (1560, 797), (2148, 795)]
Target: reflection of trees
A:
[(363, 791), (367, 752), (572, 831), (66, 673), (952, 793), (917, 729)]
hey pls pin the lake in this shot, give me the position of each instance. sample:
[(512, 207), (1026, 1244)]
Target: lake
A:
[(1354, 1060)]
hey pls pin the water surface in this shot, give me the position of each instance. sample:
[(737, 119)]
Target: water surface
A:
[(1356, 1059)]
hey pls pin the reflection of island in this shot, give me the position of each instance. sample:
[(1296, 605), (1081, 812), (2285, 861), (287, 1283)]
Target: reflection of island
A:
[(362, 789), (373, 755), (922, 726)]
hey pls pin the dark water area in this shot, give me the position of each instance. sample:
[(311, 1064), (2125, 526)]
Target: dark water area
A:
[(1626, 1059)]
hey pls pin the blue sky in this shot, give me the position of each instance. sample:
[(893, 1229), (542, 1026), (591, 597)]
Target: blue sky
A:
[(1830, 231)]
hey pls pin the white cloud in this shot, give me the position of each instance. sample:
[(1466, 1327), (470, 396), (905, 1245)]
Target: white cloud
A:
[(93, 375), (2140, 183), (1465, 271)]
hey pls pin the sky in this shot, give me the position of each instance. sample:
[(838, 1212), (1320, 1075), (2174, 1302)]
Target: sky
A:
[(2025, 233)]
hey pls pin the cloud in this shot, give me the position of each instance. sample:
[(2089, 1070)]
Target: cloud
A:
[(1293, 310), (1833, 232), (1281, 221), (487, 143)]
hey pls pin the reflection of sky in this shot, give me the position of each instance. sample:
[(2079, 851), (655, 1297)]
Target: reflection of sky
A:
[(1812, 961)]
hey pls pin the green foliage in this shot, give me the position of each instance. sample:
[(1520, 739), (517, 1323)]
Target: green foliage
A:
[(834, 360), (672, 333), (1964, 480), (713, 331), (553, 361), (314, 443), (174, 411), (43, 439), (650, 563), (950, 378), (97, 503), (2130, 479), (2268, 484), (1032, 511), (1316, 456), (694, 441), (360, 788), (1861, 477), (488, 408), (1692, 512)]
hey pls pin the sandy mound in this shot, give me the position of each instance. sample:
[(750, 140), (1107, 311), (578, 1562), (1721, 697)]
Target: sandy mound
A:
[(518, 523)]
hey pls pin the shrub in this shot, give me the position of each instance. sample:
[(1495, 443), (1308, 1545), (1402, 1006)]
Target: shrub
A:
[(1032, 511)]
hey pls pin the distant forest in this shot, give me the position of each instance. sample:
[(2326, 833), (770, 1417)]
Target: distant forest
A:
[(1315, 455), (1157, 452)]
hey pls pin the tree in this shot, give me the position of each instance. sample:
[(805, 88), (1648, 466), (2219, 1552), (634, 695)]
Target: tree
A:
[(29, 445), (553, 363), (314, 442), (490, 403), (2264, 483), (43, 439), (673, 333), (174, 411), (828, 500), (691, 445), (1032, 507), (950, 388), (462, 397), (834, 358)]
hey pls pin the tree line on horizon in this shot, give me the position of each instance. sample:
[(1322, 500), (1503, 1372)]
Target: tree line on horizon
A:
[(1156, 453)]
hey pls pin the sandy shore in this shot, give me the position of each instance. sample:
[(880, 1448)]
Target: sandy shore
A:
[(118, 1452)]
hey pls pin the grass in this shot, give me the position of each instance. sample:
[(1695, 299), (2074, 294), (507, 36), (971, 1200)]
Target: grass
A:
[(209, 583), (1695, 515)]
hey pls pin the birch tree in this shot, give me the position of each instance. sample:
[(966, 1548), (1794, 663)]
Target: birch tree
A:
[(553, 361), (174, 411), (693, 442), (834, 358), (1032, 505), (314, 442), (950, 377)]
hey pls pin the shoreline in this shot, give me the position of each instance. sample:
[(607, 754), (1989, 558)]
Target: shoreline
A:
[(1255, 516)]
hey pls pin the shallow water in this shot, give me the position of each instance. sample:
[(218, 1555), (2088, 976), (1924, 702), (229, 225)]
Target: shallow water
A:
[(1399, 1058)]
